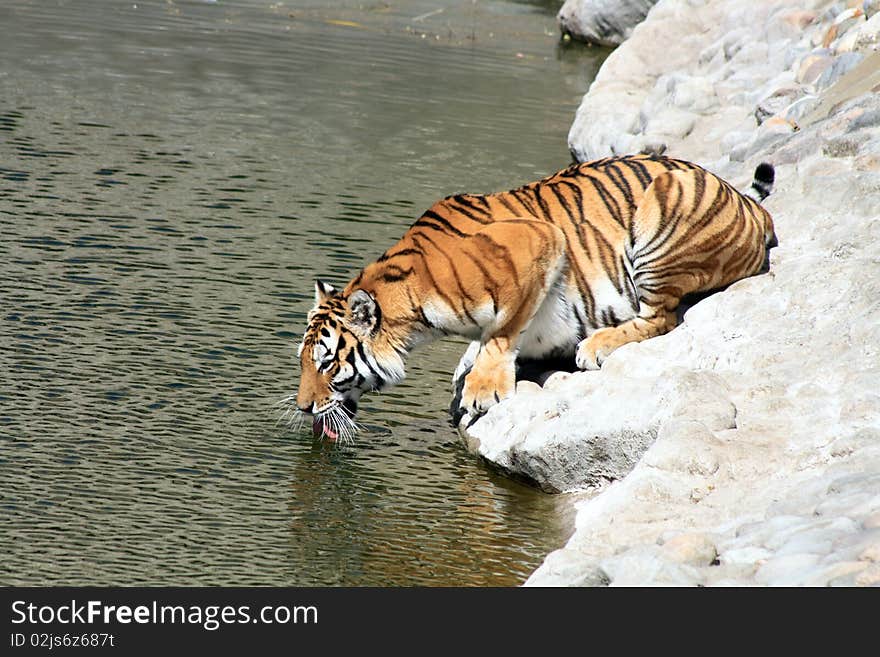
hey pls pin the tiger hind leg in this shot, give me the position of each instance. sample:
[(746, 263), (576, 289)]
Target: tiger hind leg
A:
[(651, 322), (690, 233)]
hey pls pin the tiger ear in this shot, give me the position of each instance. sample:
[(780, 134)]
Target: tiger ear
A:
[(365, 312), (322, 291)]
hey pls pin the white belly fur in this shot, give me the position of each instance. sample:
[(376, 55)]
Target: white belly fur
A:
[(555, 330)]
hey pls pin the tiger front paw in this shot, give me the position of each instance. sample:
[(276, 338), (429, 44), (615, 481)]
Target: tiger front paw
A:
[(482, 390)]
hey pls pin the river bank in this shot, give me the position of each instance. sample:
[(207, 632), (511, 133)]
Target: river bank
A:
[(744, 446)]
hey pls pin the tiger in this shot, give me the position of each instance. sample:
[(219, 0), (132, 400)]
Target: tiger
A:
[(575, 265)]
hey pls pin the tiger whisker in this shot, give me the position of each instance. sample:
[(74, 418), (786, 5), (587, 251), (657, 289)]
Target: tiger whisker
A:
[(336, 417), (342, 424), (291, 416)]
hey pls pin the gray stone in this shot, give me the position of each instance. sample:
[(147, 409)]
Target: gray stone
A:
[(861, 545), (773, 528), (602, 22), (840, 67), (812, 67), (778, 102), (841, 147)]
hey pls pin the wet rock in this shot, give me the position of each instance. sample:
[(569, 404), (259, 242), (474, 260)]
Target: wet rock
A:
[(602, 22)]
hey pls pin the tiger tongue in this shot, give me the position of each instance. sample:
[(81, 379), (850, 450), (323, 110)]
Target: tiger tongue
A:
[(320, 428)]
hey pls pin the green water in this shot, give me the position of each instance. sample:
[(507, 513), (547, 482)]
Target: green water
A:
[(173, 176)]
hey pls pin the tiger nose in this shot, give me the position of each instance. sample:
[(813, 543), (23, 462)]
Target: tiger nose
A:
[(305, 408)]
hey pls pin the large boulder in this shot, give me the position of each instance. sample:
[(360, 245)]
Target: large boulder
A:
[(602, 22)]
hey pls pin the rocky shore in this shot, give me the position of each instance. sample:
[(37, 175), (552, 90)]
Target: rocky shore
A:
[(743, 448)]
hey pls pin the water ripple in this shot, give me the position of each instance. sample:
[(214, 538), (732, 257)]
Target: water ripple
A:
[(173, 179)]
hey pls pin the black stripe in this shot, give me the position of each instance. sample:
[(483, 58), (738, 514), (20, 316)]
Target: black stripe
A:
[(607, 199), (394, 274), (628, 285), (608, 257), (484, 202), (667, 225), (619, 179), (545, 208), (564, 202), (447, 299), (640, 171), (502, 252), (489, 278), (582, 284), (424, 318), (458, 282), (527, 204), (366, 362), (467, 208), (444, 224), (403, 252), (503, 201)]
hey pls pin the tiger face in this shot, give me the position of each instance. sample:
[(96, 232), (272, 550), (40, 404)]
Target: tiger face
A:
[(337, 360)]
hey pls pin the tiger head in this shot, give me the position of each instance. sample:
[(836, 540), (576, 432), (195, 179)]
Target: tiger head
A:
[(342, 355)]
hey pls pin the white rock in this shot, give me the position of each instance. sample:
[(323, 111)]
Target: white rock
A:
[(788, 570), (745, 555), (644, 566), (693, 548)]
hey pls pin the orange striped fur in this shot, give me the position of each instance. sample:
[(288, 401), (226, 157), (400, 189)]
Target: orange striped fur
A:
[(577, 264)]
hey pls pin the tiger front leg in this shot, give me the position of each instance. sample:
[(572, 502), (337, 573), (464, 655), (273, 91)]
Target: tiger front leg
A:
[(491, 379), (529, 257)]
